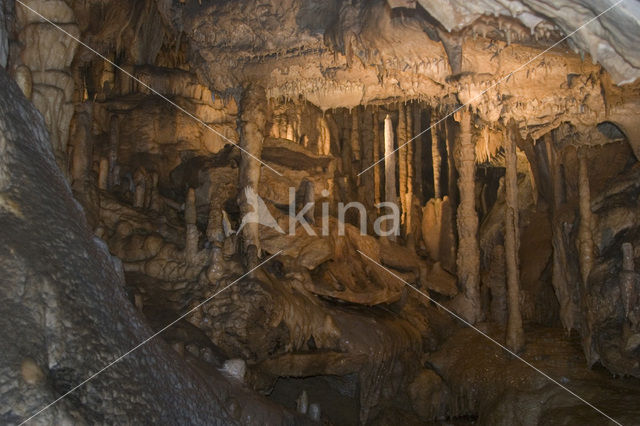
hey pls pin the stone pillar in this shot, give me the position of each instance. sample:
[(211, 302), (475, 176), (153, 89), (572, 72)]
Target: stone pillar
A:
[(410, 224), (253, 117), (468, 258), (402, 160), (417, 150), (389, 165), (377, 189), (436, 158), (515, 333), (449, 132), (585, 239)]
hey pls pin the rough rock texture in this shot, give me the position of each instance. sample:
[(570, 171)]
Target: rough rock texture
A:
[(609, 40), (64, 292)]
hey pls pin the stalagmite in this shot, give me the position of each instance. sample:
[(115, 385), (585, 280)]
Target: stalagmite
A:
[(468, 258), (253, 121), (103, 174), (377, 189), (113, 150), (139, 180), (585, 239), (435, 156), (515, 333), (190, 217), (389, 165)]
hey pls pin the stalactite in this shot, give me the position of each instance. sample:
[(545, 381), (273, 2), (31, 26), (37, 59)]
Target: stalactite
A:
[(376, 157), (402, 161), (389, 165), (253, 120), (585, 239), (468, 258), (436, 158), (418, 148), (190, 217), (515, 333), (114, 130)]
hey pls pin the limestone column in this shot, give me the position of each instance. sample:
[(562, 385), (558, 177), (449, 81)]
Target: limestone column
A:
[(585, 239), (515, 333), (418, 148), (468, 257), (190, 217), (377, 190), (253, 118), (409, 166), (436, 158), (402, 160), (389, 165), (449, 132)]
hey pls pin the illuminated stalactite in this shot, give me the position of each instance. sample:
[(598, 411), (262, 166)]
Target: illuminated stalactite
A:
[(585, 239), (389, 165), (468, 257), (253, 109), (515, 333), (435, 156)]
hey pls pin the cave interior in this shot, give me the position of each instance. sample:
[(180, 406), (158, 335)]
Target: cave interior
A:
[(340, 212)]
